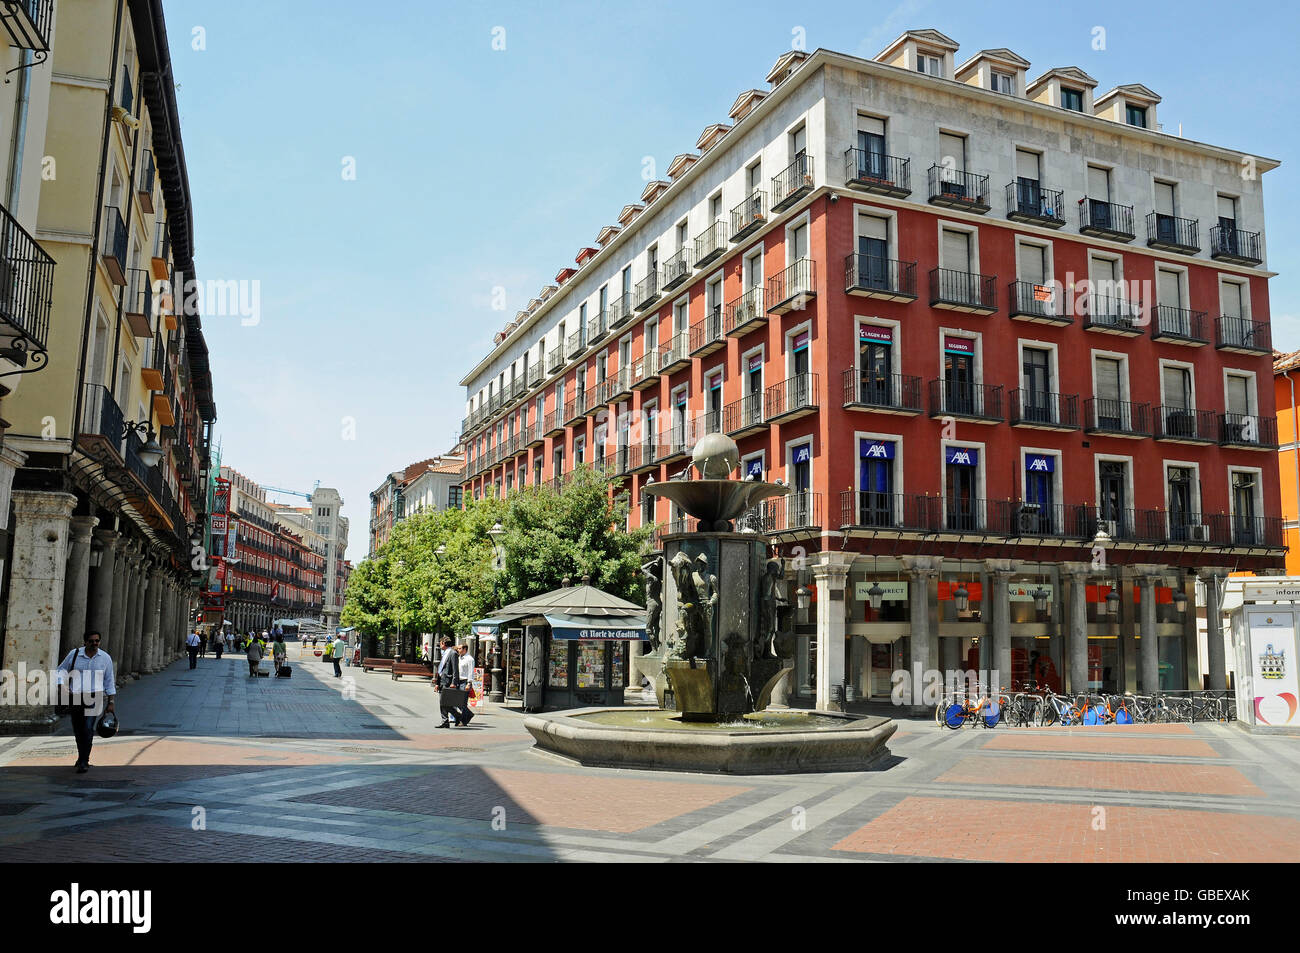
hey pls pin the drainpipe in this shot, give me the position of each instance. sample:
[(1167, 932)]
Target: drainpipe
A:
[(20, 134), (1295, 443)]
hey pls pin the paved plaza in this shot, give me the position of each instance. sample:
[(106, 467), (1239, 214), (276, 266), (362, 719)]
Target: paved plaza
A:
[(214, 766)]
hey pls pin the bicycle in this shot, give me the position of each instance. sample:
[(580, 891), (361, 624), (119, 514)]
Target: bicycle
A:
[(986, 711)]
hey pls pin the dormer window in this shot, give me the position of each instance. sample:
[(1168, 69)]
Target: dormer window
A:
[(1136, 116), (929, 63), (1072, 99), (1002, 83)]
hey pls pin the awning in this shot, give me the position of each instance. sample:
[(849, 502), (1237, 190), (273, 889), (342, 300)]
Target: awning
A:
[(571, 627), (487, 626)]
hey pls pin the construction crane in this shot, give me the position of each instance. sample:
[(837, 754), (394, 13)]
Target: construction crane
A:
[(280, 489)]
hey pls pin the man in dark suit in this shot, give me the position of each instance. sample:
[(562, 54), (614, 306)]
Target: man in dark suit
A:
[(449, 677)]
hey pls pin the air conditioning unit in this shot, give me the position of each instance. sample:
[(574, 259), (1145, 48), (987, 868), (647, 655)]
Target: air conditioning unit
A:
[(1109, 527), (1029, 518), (1198, 533)]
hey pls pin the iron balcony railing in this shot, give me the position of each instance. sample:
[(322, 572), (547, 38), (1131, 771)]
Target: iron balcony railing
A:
[(800, 510), (1173, 233), (1028, 201), (898, 392), (144, 187), (707, 334), (1020, 518), (744, 414), (790, 288), (139, 295), (554, 360), (1235, 244), (675, 443), (749, 216), (964, 515), (791, 396), (597, 327), (575, 408), (957, 398), (620, 309), (101, 415), (872, 509), (1106, 219), (1178, 324), (114, 250), (745, 310), (162, 242), (26, 285), (1251, 531), (965, 190), (620, 383), (882, 277), (646, 367), (575, 345), (1113, 313), (1032, 300), (1248, 430), (710, 243), (593, 398), (127, 101), (1186, 423), (534, 375), (963, 289), (677, 269), (1242, 334), (676, 354), (646, 291), (1044, 408), (708, 422), (877, 172), (793, 182), (28, 23), (1106, 415)]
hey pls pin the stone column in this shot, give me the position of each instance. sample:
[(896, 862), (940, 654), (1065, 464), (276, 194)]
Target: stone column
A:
[(130, 599), (1215, 652), (1149, 646), (925, 647), (152, 616), (1076, 643), (136, 639), (831, 575), (36, 583), (102, 584), (76, 587), (113, 638), (1000, 572)]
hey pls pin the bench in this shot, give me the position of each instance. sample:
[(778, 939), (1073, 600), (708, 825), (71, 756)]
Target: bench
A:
[(380, 664), (417, 669)]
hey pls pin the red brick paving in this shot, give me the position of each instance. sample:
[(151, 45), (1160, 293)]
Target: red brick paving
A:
[(1101, 775), (975, 829), (1080, 743), (144, 752)]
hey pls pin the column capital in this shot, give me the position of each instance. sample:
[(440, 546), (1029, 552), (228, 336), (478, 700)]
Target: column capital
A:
[(81, 528), (1077, 570), (922, 565), (108, 538), (1148, 573), (1004, 568), (1212, 572), (42, 503), (833, 575)]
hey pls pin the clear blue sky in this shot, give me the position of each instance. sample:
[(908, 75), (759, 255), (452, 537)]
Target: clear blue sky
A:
[(478, 168)]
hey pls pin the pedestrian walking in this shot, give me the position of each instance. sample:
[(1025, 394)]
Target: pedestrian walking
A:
[(192, 643), (203, 643), (254, 656), (337, 648), (88, 701), (466, 662), (278, 652), (449, 685), (219, 642)]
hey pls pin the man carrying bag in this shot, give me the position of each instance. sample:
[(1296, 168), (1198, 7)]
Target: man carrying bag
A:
[(452, 699)]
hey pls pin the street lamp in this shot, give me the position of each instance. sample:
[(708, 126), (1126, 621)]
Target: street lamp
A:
[(1112, 602), (1040, 596), (961, 598), (496, 690), (498, 550), (150, 451), (874, 595), (1180, 601)]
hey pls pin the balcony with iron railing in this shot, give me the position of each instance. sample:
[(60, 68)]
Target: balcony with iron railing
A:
[(963, 291), (620, 311), (641, 457), (1179, 326), (745, 313), (575, 344), (554, 360), (887, 279), (743, 417), (533, 376), (1248, 431), (792, 183), (1242, 335), (1112, 314), (707, 334), (28, 24), (1235, 245), (966, 191), (101, 415), (1028, 201), (676, 354), (1044, 410), (677, 269), (1021, 519), (1037, 303), (620, 384), (1186, 425), (153, 364), (1106, 220), (138, 306), (1116, 418), (799, 512), (869, 511), (886, 394), (1171, 233), (144, 185), (710, 243), (791, 399), (26, 291), (793, 288), (963, 400), (552, 425), (645, 371), (646, 292), (597, 327), (593, 400), (877, 173), (113, 252), (749, 216)]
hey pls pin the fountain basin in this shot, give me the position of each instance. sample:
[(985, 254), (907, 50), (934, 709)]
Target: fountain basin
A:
[(768, 742)]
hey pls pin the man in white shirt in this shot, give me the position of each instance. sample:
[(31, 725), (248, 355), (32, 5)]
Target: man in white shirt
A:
[(93, 688), (192, 642), (340, 648), (466, 678)]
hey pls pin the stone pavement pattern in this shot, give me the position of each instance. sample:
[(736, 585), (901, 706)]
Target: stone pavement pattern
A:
[(212, 765)]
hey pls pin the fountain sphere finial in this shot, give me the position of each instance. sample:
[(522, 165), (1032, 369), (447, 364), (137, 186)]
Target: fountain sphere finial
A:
[(715, 456)]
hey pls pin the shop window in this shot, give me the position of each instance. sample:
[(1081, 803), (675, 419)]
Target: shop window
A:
[(558, 665)]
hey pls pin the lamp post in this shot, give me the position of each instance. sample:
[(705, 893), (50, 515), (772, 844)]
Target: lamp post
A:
[(961, 598), (397, 649), (150, 451), (496, 693)]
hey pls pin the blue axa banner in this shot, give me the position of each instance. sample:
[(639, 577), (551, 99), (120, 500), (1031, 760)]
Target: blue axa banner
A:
[(961, 456), (1040, 463), (876, 449)]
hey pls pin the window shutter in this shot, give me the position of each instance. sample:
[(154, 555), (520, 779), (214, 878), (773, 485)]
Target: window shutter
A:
[(1030, 259), (1098, 184), (1027, 164), (1230, 299), (1238, 395), (1108, 379), (1164, 198), (955, 251), (954, 147), (873, 227), (1168, 289)]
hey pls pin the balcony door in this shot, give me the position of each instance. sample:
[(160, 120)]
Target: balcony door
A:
[(1031, 264), (876, 483), (1099, 193), (1112, 503), (1037, 369), (1169, 292), (1227, 209), (1037, 511), (873, 252), (1177, 385), (875, 365), (679, 421), (952, 159), (753, 403), (800, 512), (1243, 509), (1241, 424), (961, 464), (1166, 226), (959, 377), (955, 258), (1029, 194), (1180, 505), (713, 404), (871, 148)]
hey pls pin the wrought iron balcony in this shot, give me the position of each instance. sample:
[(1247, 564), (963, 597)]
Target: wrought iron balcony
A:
[(113, 253), (153, 364), (552, 426), (676, 354), (101, 416), (793, 288), (645, 370), (646, 292), (978, 403), (620, 384), (884, 278), (597, 327), (1044, 410), (1028, 201), (593, 401), (1106, 220), (674, 446), (1171, 233), (1179, 326), (26, 292), (877, 173), (869, 510), (575, 345), (1038, 303), (1116, 418), (749, 216), (792, 398), (641, 457), (534, 375), (959, 190), (792, 183), (892, 394), (554, 360), (28, 24), (1112, 314), (744, 417), (710, 243), (964, 515), (575, 409), (1235, 245), (1242, 335), (138, 306), (144, 186), (535, 435), (1248, 431), (1186, 425), (1249, 532), (620, 310), (798, 512), (745, 313), (677, 269), (1018, 519), (963, 291), (706, 335)]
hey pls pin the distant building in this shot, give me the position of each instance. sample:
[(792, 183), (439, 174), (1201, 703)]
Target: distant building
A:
[(428, 485)]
